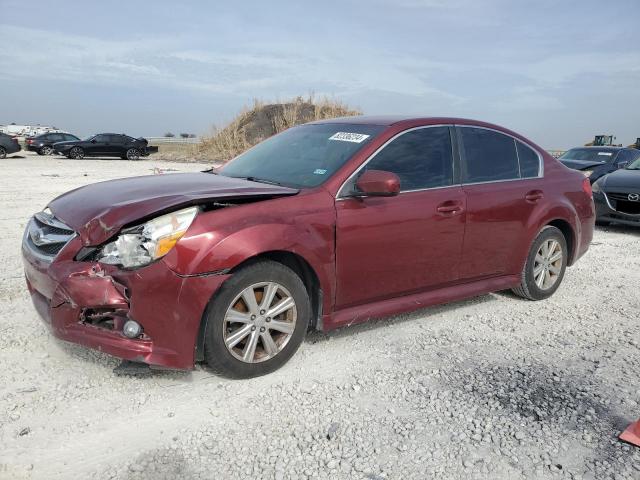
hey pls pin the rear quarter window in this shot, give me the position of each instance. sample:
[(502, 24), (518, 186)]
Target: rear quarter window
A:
[(529, 161)]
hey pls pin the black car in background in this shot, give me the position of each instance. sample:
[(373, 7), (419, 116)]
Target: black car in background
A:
[(595, 162), (617, 196), (8, 145), (106, 145), (43, 144)]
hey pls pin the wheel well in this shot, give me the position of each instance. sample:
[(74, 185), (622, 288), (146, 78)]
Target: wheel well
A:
[(296, 263), (569, 236)]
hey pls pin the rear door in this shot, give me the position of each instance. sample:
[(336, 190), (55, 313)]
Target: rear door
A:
[(390, 246), (501, 180), (118, 145)]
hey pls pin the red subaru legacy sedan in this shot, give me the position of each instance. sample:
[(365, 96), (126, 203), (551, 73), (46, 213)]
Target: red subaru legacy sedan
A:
[(326, 224)]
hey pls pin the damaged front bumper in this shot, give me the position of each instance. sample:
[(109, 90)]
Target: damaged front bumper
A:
[(88, 303)]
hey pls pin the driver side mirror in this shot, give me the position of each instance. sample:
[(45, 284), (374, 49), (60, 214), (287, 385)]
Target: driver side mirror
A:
[(622, 164), (378, 183)]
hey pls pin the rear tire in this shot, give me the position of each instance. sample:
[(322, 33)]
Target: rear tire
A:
[(3, 153), (133, 154), (234, 345), (46, 150), (545, 266)]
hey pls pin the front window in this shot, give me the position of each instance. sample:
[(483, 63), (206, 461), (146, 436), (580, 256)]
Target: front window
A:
[(588, 155), (421, 158), (303, 156)]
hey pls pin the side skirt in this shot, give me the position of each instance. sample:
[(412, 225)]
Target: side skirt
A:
[(416, 301)]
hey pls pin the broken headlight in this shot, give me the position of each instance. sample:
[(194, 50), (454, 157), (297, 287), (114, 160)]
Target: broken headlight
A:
[(150, 241)]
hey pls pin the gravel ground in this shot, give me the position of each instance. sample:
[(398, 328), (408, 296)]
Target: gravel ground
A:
[(493, 387)]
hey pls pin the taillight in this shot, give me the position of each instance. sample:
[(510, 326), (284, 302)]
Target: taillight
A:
[(29, 141), (586, 187)]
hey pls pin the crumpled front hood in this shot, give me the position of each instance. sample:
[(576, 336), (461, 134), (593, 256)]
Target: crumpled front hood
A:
[(581, 164), (98, 211), (625, 181)]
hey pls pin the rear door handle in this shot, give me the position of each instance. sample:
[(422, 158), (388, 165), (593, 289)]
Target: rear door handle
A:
[(534, 196), (449, 208)]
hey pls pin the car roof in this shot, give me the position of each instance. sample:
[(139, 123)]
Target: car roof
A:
[(388, 120), (595, 147)]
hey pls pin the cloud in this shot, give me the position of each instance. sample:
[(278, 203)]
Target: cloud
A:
[(255, 69)]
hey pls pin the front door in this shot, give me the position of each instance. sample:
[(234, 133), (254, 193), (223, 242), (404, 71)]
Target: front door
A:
[(391, 246)]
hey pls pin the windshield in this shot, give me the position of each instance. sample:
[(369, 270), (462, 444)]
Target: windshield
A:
[(634, 165), (589, 155), (303, 156)]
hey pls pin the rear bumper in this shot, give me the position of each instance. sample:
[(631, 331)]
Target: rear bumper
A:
[(605, 213), (87, 303)]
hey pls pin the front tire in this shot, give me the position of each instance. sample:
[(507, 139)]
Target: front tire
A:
[(76, 153), (256, 321), (545, 266)]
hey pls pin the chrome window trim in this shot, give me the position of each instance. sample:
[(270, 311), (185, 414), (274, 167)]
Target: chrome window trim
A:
[(341, 196), (540, 159)]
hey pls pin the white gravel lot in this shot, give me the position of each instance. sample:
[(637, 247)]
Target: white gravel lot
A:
[(494, 387)]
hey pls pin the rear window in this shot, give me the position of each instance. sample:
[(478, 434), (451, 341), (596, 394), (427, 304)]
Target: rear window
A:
[(589, 155)]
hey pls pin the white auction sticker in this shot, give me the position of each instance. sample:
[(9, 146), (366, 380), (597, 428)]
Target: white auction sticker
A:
[(608, 154), (349, 137)]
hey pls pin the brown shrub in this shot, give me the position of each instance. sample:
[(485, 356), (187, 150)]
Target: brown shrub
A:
[(262, 120)]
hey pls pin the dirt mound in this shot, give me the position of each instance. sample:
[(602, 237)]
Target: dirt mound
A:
[(262, 120)]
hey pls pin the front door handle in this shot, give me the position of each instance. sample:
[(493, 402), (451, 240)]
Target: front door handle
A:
[(534, 196), (449, 208)]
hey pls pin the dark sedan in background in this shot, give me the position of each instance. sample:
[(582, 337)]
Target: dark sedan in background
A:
[(617, 196), (43, 144), (106, 145), (8, 145), (596, 162)]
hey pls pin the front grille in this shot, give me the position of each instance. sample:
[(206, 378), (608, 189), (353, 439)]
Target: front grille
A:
[(621, 203), (46, 236)]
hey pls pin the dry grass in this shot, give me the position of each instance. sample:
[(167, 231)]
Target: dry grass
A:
[(262, 120)]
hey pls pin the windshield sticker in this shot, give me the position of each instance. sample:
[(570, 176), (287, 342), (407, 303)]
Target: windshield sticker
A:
[(607, 154), (349, 137), (319, 171)]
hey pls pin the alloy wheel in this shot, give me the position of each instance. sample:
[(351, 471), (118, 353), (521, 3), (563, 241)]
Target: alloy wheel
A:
[(260, 322), (77, 153), (3, 153), (547, 265), (133, 154), (47, 150)]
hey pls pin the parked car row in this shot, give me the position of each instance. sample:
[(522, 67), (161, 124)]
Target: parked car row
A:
[(615, 175), (99, 145)]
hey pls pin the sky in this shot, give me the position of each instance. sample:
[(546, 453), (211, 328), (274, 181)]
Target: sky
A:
[(556, 72)]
